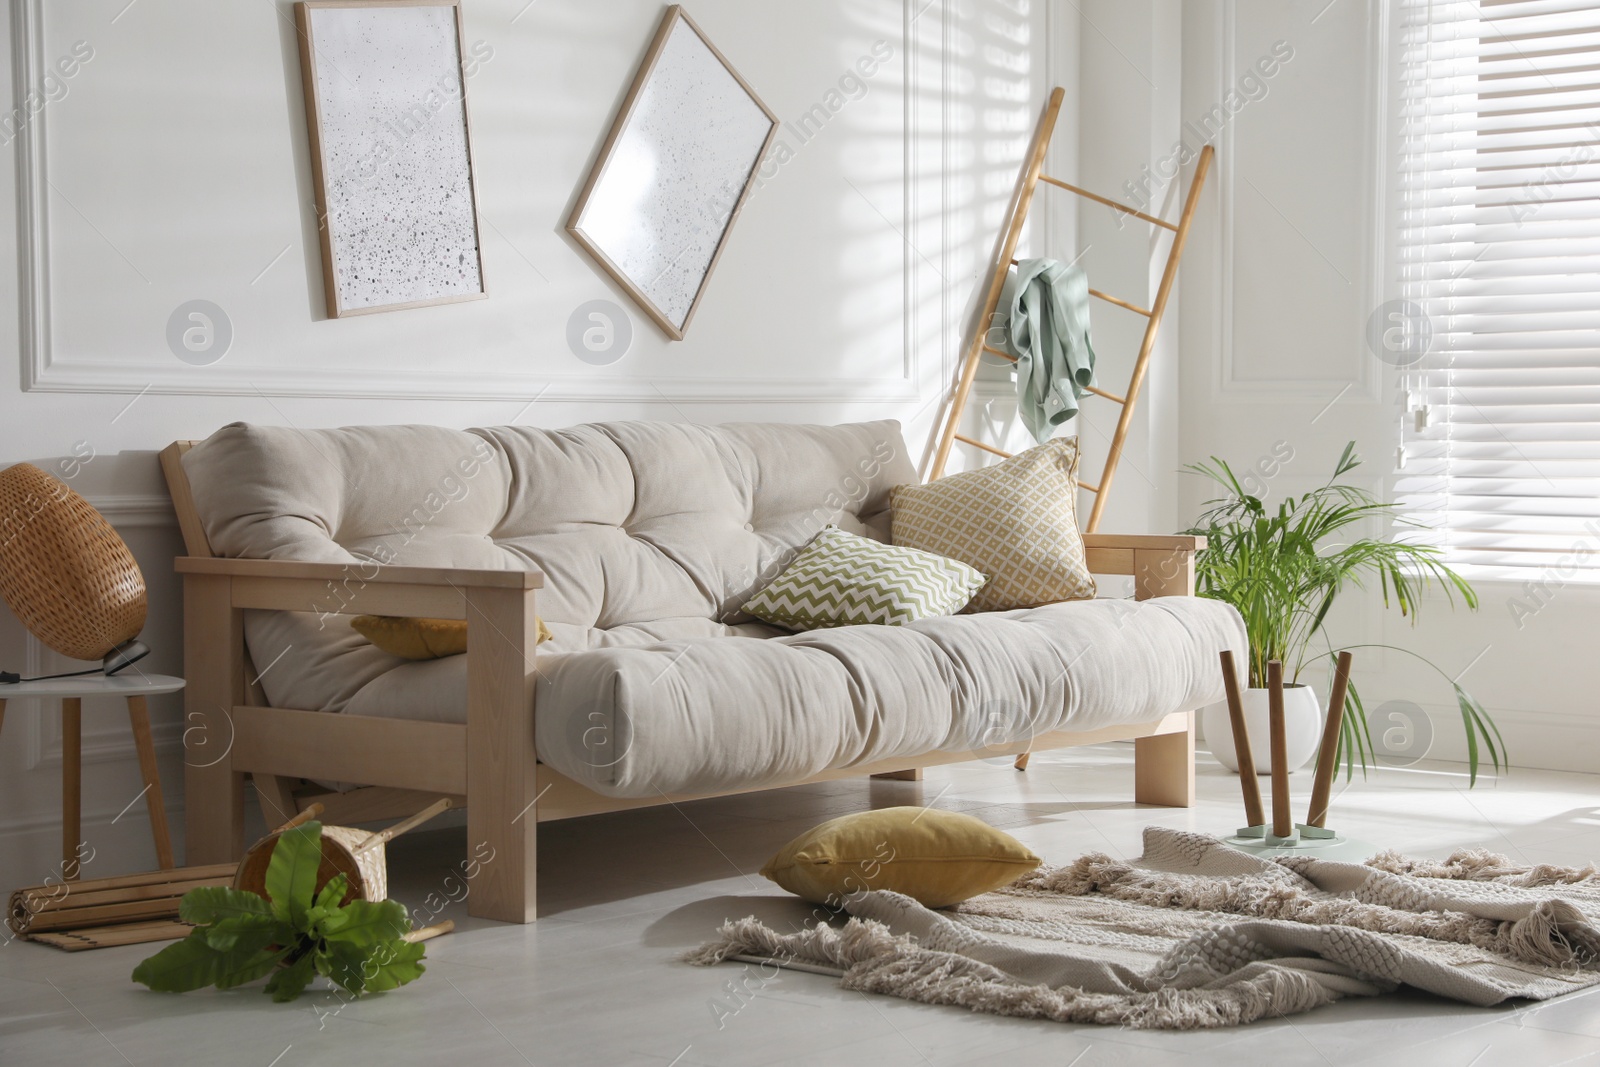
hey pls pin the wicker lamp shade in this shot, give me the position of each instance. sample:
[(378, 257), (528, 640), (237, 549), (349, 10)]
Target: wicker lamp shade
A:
[(63, 570)]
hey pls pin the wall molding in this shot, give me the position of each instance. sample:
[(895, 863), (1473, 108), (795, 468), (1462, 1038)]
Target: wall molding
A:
[(111, 744), (1364, 382), (101, 818), (128, 511), (45, 370)]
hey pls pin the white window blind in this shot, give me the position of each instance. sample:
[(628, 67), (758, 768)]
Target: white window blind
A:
[(1498, 247)]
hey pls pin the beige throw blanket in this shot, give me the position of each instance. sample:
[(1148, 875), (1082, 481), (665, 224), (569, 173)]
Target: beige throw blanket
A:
[(1195, 934)]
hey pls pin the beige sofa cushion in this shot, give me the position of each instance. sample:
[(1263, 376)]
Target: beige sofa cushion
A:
[(631, 523), (1015, 521), (696, 708)]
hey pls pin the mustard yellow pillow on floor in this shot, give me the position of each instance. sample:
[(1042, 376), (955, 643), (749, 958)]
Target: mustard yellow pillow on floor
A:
[(419, 638), (938, 858), (1016, 521)]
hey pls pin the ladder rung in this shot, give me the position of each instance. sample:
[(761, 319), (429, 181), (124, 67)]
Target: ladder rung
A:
[(1135, 308), (1097, 391), (1108, 298), (1085, 485), (1113, 397), (979, 444), (1109, 203)]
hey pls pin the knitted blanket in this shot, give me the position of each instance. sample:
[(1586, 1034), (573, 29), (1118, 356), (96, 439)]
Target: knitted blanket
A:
[(1195, 935)]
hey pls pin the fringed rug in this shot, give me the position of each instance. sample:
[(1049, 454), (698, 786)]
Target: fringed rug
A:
[(1195, 935)]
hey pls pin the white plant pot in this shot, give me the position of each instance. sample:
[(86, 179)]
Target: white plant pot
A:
[(1302, 720)]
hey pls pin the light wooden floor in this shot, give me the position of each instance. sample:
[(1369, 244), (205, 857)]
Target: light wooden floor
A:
[(595, 981)]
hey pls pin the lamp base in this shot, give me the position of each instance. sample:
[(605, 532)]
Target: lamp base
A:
[(124, 656)]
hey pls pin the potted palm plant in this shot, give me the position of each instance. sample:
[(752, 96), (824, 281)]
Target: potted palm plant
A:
[(1283, 570)]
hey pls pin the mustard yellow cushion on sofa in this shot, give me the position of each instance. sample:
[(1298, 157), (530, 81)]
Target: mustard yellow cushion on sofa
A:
[(938, 858), (1016, 521), (419, 638)]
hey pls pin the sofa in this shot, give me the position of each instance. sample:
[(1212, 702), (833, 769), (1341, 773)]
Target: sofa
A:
[(635, 543)]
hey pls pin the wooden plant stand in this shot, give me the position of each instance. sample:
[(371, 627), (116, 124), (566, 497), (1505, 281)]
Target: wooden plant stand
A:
[(1281, 834)]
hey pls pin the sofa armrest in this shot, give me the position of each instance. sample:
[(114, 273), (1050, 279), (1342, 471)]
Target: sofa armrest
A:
[(502, 636), (355, 588), (1179, 542), (1161, 564), (368, 572)]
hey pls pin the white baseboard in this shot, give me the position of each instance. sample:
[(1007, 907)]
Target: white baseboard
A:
[(115, 843), (1536, 740)]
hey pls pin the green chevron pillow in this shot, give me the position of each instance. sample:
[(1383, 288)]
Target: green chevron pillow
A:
[(840, 579)]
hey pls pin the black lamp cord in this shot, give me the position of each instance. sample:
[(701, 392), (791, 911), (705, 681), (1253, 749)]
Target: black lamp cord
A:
[(8, 678)]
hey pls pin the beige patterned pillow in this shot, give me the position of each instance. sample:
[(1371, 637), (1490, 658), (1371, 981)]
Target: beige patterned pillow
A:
[(1016, 521)]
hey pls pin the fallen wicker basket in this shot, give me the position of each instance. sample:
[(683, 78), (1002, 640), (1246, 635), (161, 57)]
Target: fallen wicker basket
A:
[(134, 909), (357, 854)]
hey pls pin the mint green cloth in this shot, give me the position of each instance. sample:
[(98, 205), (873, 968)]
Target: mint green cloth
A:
[(1044, 310)]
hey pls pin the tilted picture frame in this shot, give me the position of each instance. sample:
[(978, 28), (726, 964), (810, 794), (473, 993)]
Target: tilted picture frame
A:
[(674, 174)]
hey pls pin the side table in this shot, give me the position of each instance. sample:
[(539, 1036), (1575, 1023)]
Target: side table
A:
[(133, 687)]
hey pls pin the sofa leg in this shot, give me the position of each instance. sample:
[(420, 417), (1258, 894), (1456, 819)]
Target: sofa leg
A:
[(506, 854), (502, 765), (914, 774), (1163, 768), (213, 657)]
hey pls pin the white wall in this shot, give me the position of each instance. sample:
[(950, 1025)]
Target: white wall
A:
[(1278, 287), (175, 168), (1131, 54)]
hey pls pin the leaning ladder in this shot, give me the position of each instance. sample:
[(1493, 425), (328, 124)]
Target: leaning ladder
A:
[(1005, 260)]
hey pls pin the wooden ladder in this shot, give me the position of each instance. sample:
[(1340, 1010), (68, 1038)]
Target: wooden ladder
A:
[(1032, 175)]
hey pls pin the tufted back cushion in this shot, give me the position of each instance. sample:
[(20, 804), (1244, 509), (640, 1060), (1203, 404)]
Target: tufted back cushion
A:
[(631, 522)]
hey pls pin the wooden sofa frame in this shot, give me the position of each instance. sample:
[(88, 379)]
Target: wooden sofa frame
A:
[(489, 764)]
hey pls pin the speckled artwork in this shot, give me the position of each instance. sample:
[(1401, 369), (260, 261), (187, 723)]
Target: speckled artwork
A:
[(665, 194), (396, 170)]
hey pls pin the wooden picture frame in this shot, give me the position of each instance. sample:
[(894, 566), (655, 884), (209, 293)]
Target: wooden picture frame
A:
[(631, 249), (408, 118)]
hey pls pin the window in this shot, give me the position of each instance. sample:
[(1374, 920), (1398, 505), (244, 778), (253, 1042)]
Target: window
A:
[(1496, 265)]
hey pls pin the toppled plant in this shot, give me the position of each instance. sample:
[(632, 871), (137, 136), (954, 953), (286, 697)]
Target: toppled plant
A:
[(1283, 570), (294, 933)]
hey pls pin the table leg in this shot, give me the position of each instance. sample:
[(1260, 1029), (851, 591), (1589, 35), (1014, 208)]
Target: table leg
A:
[(71, 784), (139, 717)]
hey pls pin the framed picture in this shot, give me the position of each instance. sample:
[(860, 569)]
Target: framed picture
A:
[(391, 153), (674, 173)]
